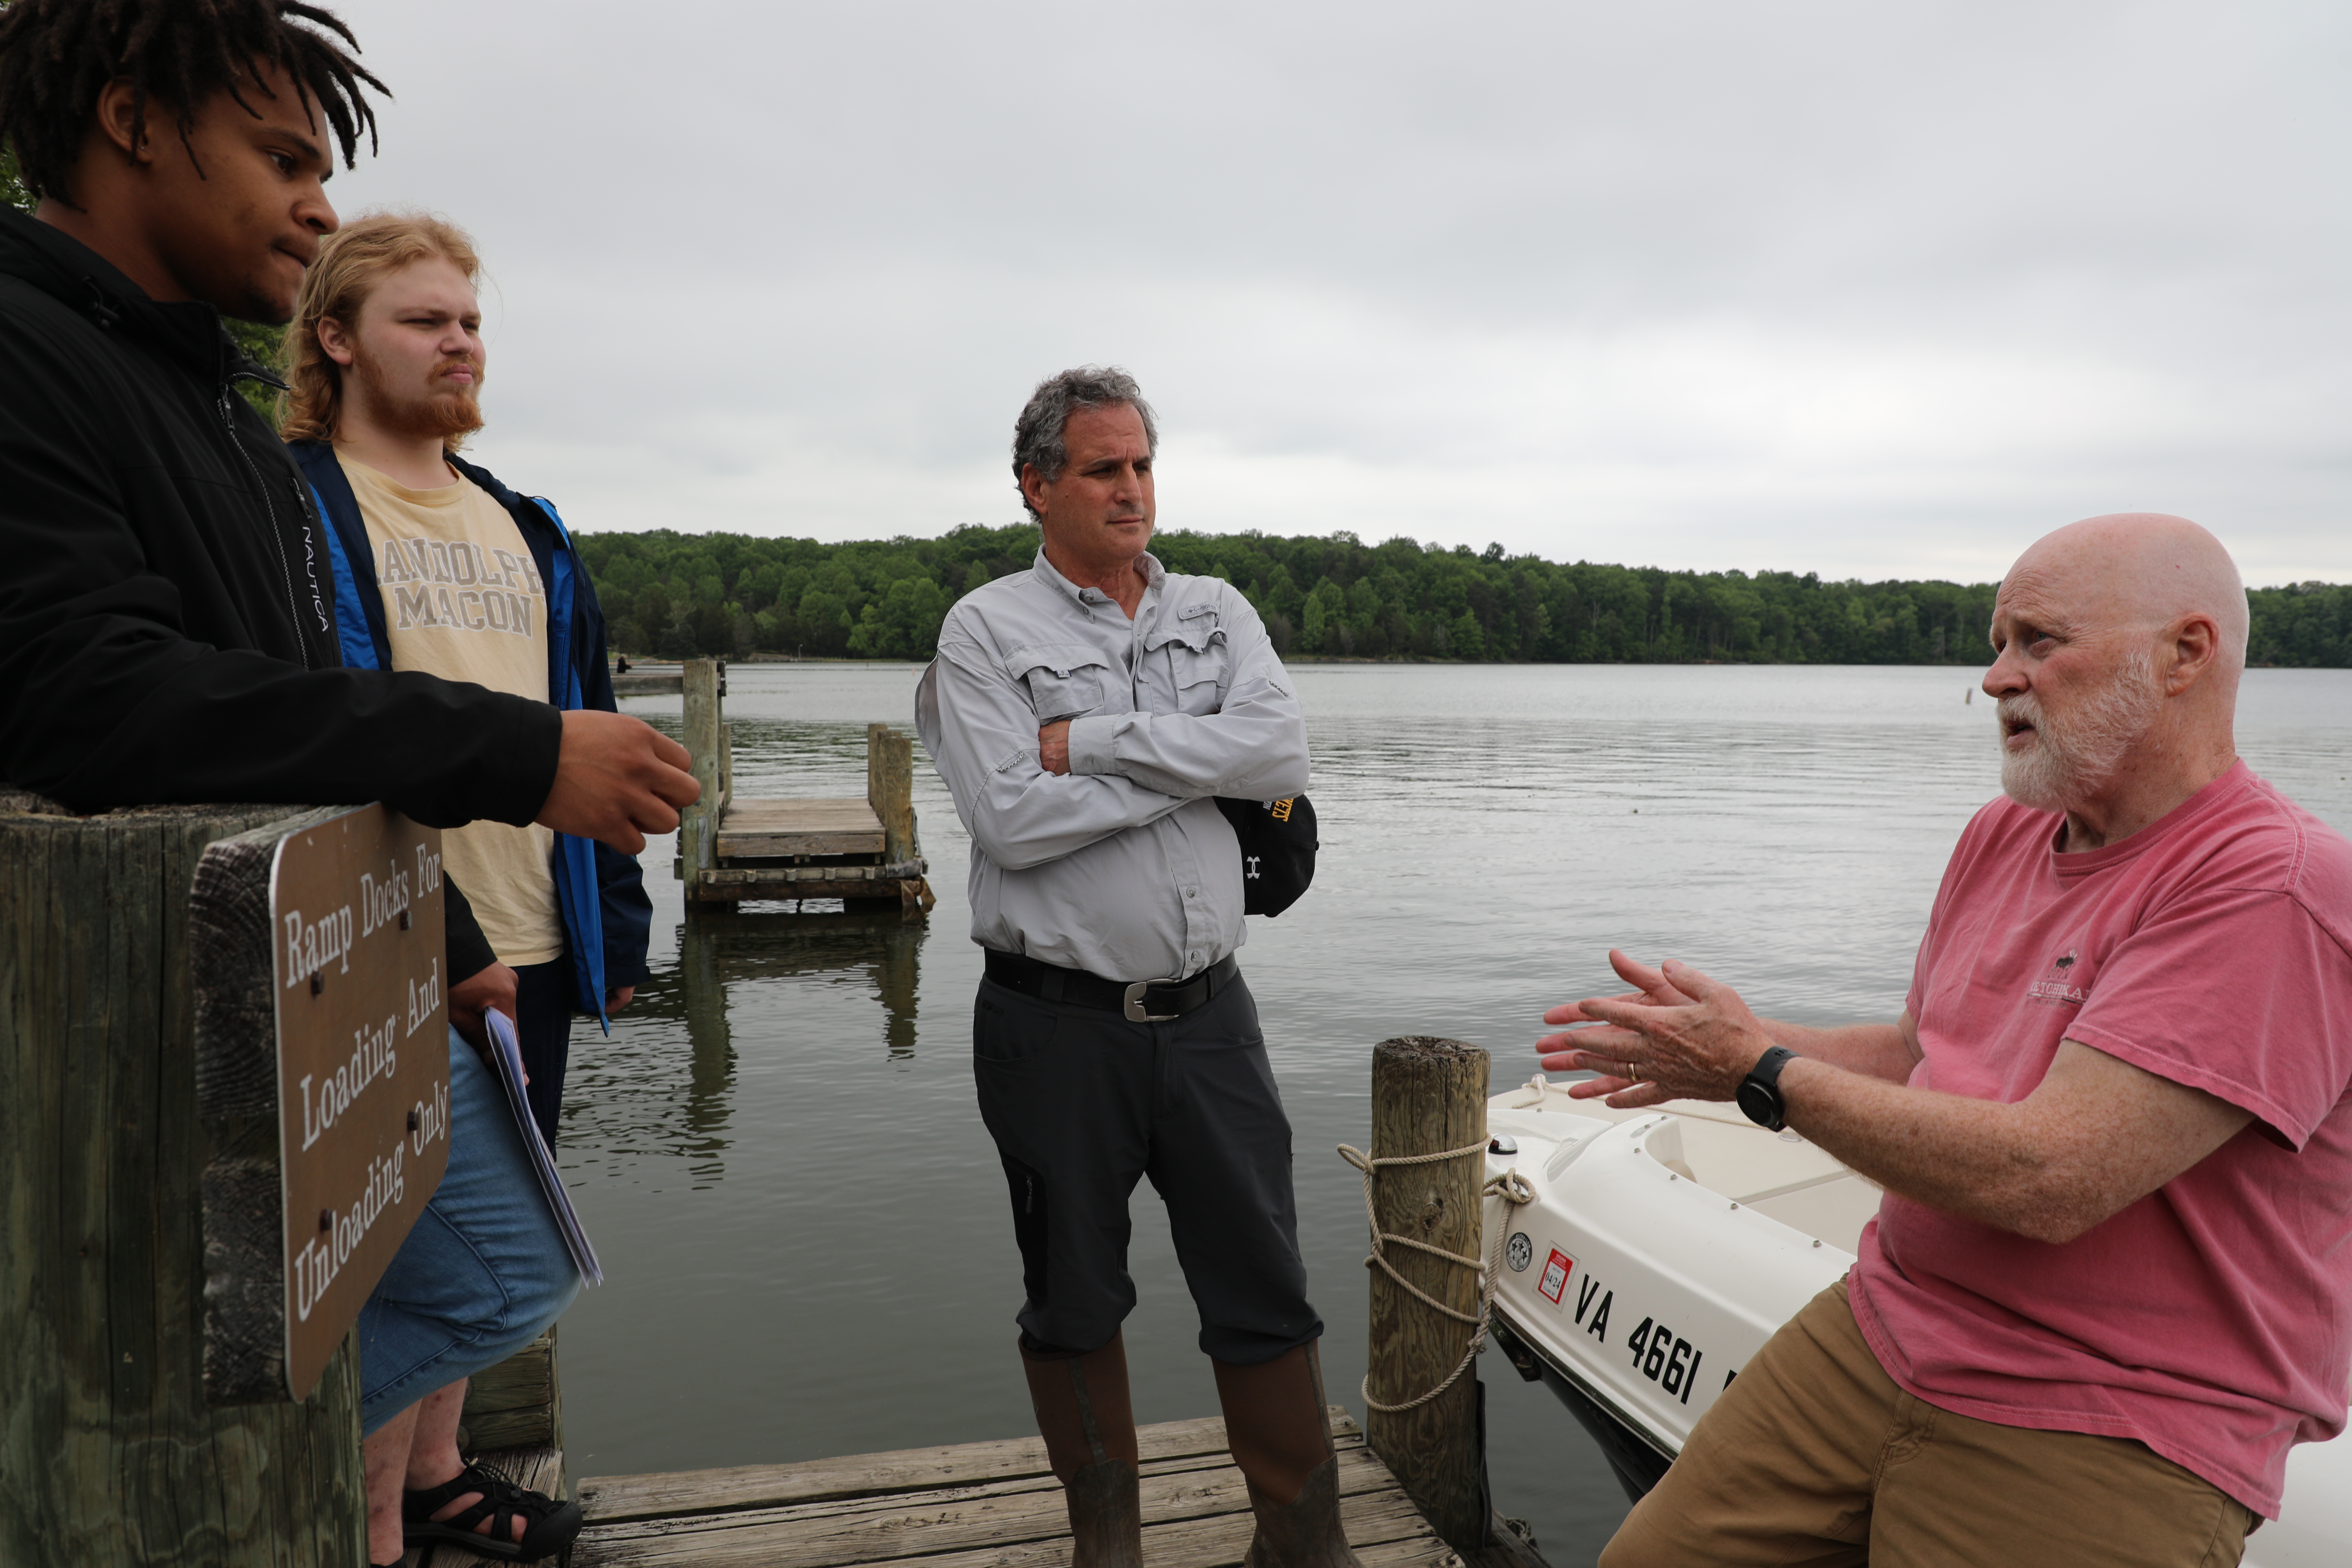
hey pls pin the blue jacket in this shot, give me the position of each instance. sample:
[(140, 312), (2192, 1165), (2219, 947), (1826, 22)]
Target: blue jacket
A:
[(599, 891)]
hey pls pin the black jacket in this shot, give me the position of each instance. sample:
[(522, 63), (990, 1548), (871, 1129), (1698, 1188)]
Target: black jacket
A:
[(166, 615)]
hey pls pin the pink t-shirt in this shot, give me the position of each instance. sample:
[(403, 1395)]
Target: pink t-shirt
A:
[(2212, 1320)]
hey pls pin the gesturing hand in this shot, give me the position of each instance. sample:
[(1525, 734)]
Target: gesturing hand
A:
[(616, 779), (1678, 1035)]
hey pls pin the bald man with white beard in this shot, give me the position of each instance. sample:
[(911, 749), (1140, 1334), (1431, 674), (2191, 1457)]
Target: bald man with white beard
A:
[(2110, 1282)]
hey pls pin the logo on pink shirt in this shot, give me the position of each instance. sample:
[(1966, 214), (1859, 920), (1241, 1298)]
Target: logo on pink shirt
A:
[(2053, 988)]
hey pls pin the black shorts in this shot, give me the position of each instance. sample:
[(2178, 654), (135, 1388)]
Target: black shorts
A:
[(1081, 1103)]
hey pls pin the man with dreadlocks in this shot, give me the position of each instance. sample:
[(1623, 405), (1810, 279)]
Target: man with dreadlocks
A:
[(167, 634)]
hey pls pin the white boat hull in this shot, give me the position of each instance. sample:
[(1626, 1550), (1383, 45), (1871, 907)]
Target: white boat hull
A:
[(1664, 1247)]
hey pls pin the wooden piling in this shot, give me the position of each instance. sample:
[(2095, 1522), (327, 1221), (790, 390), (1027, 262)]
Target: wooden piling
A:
[(890, 793), (697, 827), (109, 1453), (890, 789), (519, 1403), (1429, 1096)]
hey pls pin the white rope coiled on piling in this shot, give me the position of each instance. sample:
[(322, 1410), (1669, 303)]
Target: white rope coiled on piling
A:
[(1510, 1186)]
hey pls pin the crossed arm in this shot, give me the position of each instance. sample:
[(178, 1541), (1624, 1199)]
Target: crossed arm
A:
[(984, 739), (1027, 800), (2096, 1135)]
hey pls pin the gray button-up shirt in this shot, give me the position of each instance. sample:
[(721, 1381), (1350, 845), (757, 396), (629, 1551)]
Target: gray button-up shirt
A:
[(1124, 867)]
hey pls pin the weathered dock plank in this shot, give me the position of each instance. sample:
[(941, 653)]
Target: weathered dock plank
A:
[(1216, 1540), (975, 1505), (846, 1531), (614, 1497), (768, 829)]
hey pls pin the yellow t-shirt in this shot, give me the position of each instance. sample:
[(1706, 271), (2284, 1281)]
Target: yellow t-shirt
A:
[(462, 600)]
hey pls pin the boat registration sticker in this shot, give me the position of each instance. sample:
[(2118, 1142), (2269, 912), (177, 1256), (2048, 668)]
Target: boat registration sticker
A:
[(1557, 1268), (1520, 1253)]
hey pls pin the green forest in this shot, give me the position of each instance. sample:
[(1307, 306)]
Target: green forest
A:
[(673, 595)]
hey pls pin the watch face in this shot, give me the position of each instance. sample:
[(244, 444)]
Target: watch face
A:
[(1760, 1104)]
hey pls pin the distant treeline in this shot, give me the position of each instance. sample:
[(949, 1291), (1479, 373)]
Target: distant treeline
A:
[(673, 595)]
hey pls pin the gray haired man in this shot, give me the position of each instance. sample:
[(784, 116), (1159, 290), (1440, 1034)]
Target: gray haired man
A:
[(1085, 714)]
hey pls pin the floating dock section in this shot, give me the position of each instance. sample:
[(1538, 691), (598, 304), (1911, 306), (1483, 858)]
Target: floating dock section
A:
[(731, 849)]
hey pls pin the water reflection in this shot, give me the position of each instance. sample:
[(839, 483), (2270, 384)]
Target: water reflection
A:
[(632, 1080), (720, 949)]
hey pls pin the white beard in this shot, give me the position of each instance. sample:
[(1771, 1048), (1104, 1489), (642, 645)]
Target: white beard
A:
[(2069, 762)]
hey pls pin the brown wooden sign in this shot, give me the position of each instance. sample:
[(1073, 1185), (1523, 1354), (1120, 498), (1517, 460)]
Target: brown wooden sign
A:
[(347, 1053), (363, 1063)]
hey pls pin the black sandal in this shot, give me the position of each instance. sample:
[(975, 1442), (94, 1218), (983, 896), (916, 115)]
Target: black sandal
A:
[(548, 1526)]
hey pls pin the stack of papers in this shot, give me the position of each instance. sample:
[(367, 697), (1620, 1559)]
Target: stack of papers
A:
[(505, 1056)]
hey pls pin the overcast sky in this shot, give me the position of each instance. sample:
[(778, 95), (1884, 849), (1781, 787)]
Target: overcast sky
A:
[(1870, 290)]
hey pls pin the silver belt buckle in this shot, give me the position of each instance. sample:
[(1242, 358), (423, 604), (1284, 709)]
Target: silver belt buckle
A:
[(1135, 1013)]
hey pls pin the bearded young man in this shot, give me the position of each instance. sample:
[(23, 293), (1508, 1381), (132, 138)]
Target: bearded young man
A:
[(439, 567), (2108, 1286), (167, 632)]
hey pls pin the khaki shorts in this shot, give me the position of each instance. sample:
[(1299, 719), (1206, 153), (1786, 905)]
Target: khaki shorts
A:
[(1816, 1456)]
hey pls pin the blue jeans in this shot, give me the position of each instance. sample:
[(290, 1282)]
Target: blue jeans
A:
[(484, 1272)]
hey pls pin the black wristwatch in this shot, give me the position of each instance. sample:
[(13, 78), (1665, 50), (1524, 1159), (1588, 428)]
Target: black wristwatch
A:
[(1760, 1091)]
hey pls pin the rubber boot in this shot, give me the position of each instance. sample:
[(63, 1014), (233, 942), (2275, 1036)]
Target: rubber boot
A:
[(1280, 1436), (1089, 1425)]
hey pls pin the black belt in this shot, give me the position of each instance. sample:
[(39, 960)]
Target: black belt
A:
[(1140, 1000)]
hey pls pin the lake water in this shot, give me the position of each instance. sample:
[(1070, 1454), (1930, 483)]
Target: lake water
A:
[(802, 1222)]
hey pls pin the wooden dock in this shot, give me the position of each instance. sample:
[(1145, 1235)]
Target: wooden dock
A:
[(863, 852), (974, 1505)]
